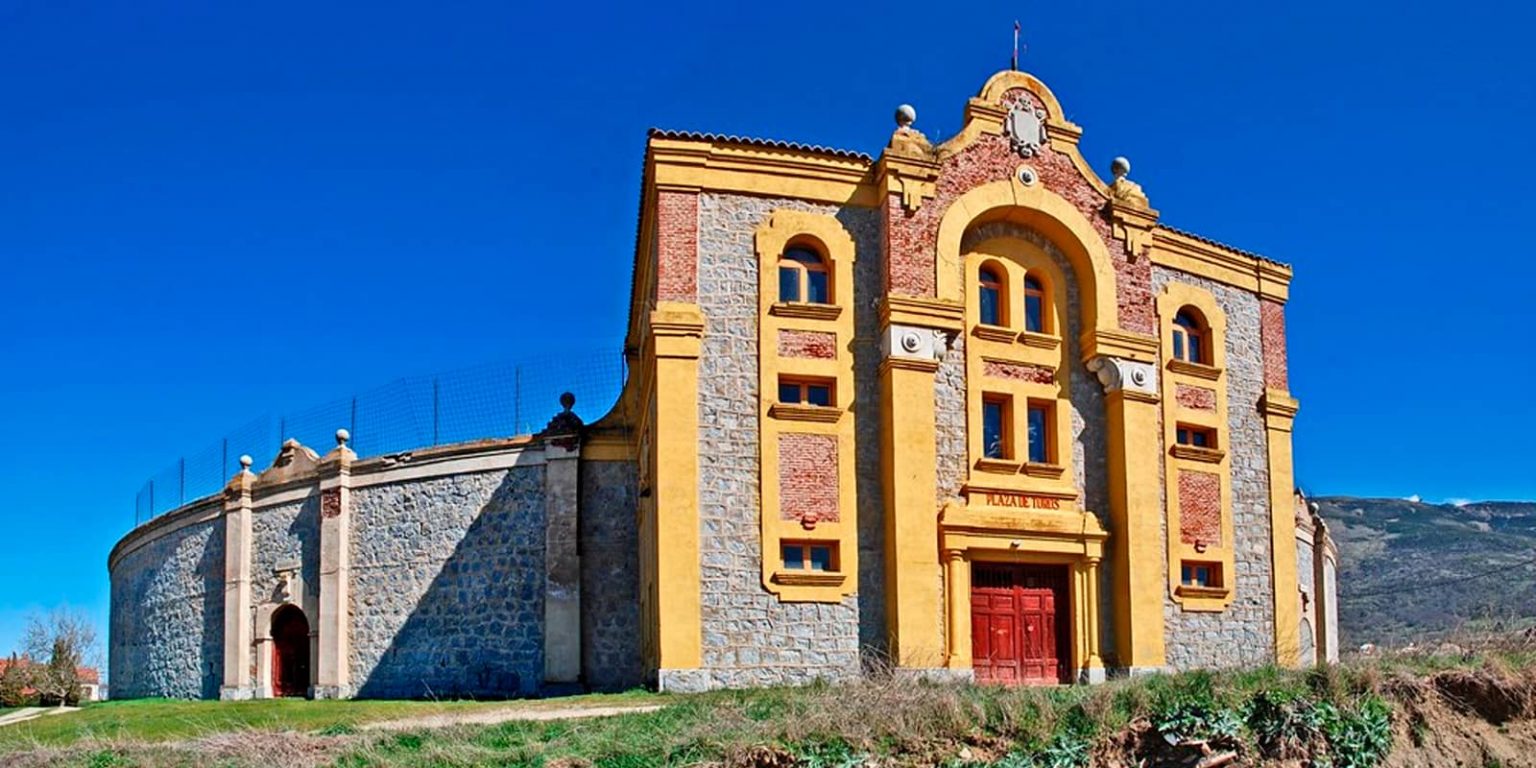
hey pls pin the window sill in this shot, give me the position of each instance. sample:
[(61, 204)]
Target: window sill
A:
[(1048, 471), (1197, 370), (809, 578), (994, 333), (997, 466), (1203, 593), (1197, 453), (1039, 340), (805, 310), (822, 414)]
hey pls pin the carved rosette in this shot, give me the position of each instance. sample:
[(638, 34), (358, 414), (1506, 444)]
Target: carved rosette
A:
[(1130, 376)]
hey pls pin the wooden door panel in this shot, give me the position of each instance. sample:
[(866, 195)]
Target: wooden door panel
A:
[(1016, 634)]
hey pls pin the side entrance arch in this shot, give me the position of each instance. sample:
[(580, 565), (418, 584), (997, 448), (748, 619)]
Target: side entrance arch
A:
[(290, 652)]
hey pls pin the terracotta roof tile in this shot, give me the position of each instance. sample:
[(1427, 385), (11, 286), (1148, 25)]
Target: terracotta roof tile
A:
[(662, 133), (1219, 244)]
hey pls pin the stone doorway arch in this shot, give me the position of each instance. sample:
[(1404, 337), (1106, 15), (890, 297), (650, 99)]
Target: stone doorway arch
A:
[(290, 652)]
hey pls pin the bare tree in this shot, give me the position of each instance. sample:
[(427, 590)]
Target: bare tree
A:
[(59, 645)]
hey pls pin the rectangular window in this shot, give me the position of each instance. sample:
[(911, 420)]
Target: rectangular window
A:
[(1195, 574), (991, 306), (1034, 313), (809, 555), (817, 286), (1039, 432), (995, 442), (1198, 437), (805, 391), (1178, 343), (789, 284)]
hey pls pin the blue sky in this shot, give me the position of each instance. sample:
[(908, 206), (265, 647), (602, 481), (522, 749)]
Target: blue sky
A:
[(210, 211)]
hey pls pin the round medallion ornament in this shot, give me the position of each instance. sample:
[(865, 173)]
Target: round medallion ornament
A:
[(1138, 377), (1027, 176), (910, 342)]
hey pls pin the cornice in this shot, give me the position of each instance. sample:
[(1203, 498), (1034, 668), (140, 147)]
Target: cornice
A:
[(1204, 258), (718, 165)]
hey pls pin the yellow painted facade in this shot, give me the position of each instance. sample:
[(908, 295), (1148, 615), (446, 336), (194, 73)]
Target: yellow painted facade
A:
[(916, 517)]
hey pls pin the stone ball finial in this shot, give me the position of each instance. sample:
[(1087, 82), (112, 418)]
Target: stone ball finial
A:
[(567, 401), (1120, 167), (246, 461), (342, 436), (906, 115)]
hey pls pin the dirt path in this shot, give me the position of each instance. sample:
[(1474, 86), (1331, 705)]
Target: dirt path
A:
[(505, 714), (28, 713)]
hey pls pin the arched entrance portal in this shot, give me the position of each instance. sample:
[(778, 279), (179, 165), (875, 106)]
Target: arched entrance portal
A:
[(290, 652)]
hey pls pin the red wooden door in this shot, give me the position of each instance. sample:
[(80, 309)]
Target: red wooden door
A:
[(290, 652), (1016, 636)]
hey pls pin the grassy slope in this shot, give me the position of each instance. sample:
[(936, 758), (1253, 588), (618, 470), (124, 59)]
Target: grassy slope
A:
[(161, 720)]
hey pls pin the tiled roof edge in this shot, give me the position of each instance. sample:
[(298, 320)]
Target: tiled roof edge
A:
[(1219, 244), (663, 133)]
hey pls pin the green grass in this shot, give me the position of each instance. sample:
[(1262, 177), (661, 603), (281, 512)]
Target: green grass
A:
[(163, 720)]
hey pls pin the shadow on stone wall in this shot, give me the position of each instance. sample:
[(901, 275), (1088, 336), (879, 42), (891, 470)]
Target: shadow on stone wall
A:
[(477, 631), (610, 577), (210, 567)]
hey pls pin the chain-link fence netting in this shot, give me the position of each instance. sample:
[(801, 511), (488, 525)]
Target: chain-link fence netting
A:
[(492, 400)]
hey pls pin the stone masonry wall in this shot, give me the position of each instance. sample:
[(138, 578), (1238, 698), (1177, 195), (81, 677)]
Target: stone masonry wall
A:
[(166, 631), (610, 576), (284, 534), (1243, 634), (448, 586), (750, 637)]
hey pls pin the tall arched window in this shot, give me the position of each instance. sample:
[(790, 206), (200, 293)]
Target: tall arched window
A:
[(1190, 338), (992, 308), (1034, 304), (803, 277)]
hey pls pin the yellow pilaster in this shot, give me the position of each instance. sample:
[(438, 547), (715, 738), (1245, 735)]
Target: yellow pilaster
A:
[(1135, 508), (907, 447), (676, 333), (959, 582), (1279, 410), (1095, 664)]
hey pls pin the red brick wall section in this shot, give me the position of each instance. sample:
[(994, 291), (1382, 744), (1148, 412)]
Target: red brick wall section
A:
[(1019, 372), (1196, 398), (677, 246), (1272, 323), (912, 237), (817, 345), (1199, 507), (808, 477)]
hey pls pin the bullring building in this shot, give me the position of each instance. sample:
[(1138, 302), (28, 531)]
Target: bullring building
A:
[(965, 409)]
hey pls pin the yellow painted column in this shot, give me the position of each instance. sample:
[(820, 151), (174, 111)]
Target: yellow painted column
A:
[(959, 595), (1095, 665), (1279, 410), (914, 601), (677, 331), (1135, 508)]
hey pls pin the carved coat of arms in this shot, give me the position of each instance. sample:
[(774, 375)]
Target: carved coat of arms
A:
[(1025, 127)]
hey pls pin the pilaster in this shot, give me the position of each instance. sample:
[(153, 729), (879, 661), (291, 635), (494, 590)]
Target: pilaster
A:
[(562, 557), (957, 594), (237, 585), (1279, 410), (333, 626), (1135, 509), (908, 449), (676, 336)]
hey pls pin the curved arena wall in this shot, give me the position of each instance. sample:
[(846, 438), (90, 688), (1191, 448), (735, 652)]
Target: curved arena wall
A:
[(447, 577)]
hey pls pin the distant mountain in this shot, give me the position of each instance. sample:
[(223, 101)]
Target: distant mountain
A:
[(1410, 571)]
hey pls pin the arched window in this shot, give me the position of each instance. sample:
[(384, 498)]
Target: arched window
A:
[(1191, 340), (1034, 304), (992, 307), (803, 277)]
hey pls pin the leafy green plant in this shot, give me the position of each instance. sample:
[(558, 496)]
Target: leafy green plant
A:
[(1284, 724), (1358, 736), (1191, 710)]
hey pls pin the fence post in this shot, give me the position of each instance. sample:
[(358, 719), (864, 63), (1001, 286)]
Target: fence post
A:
[(182, 472), (282, 431), (151, 499), (224, 461), (517, 399), (434, 410), (352, 425)]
